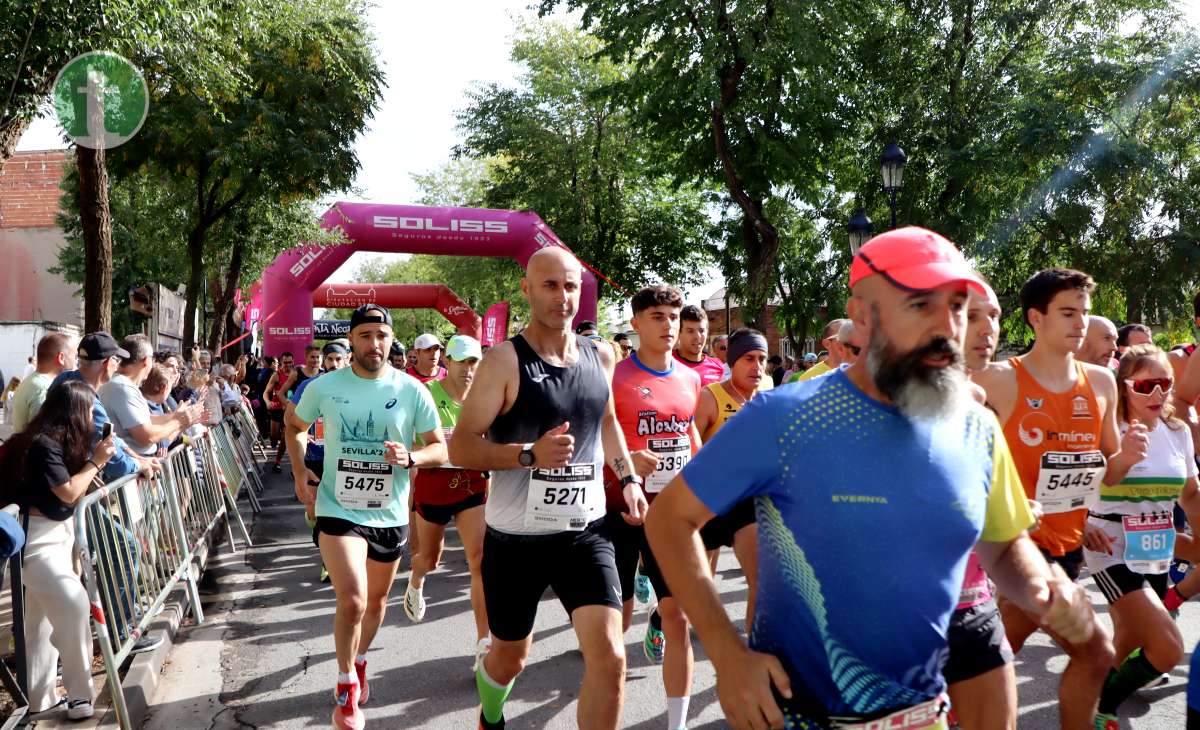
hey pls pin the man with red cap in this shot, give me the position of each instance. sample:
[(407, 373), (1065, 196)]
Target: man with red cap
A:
[(934, 478)]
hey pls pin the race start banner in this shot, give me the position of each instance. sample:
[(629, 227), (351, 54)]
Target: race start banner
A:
[(495, 324)]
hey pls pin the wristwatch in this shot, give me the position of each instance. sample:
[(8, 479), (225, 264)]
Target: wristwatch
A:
[(526, 457), (410, 463), (632, 479)]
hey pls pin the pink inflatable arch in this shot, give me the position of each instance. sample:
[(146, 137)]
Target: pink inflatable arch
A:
[(403, 296), (290, 280)]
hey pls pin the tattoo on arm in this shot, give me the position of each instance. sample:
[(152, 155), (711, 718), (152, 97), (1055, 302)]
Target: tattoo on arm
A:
[(619, 467)]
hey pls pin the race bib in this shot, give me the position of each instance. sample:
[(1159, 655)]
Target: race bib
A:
[(673, 454), (1069, 481), (1149, 542), (446, 434), (559, 498), (363, 484), (318, 433), (929, 715)]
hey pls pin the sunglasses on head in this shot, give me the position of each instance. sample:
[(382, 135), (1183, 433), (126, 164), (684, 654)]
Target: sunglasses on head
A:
[(1146, 386)]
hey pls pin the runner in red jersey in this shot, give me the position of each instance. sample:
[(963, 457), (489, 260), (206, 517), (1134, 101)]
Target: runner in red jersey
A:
[(689, 349), (655, 400)]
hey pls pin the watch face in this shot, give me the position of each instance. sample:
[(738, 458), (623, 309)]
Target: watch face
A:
[(526, 458)]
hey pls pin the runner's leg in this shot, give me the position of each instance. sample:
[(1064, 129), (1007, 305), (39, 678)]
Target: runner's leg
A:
[(602, 694), (432, 536), (745, 547), (679, 661), (1018, 626), (986, 702), (345, 558), (1147, 626), (379, 584), (471, 526)]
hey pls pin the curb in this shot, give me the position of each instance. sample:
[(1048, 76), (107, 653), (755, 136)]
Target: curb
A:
[(141, 679)]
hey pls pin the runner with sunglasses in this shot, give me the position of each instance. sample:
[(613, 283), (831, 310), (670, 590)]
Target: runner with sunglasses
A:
[(1060, 421), (1130, 536)]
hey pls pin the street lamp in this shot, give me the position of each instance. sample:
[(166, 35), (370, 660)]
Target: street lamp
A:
[(892, 163), (859, 229)]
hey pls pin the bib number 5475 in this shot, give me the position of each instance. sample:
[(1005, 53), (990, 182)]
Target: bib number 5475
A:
[(563, 495), (363, 484)]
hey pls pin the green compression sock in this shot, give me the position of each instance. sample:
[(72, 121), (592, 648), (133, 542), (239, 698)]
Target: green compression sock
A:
[(492, 694), (1133, 674)]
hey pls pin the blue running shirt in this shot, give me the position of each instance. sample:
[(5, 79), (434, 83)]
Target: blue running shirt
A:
[(360, 414), (865, 521)]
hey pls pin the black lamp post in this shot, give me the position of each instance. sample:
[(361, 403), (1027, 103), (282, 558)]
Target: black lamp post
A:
[(892, 163), (859, 229)]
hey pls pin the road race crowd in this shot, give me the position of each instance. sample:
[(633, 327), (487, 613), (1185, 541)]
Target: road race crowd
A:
[(977, 490)]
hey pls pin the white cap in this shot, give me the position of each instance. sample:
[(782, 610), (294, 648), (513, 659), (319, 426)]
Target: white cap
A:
[(426, 341)]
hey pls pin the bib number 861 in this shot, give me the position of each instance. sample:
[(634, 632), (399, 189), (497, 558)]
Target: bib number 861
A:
[(564, 495), (364, 484), (1084, 479), (1154, 542)]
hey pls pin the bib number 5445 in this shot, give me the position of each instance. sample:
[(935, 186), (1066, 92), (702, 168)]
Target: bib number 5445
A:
[(1076, 479)]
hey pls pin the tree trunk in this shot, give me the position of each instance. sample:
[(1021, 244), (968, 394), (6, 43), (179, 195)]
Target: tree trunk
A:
[(10, 134), (761, 251), (223, 298), (96, 224), (195, 249)]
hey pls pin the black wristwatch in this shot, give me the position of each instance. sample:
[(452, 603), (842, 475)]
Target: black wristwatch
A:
[(410, 463), (632, 479), (526, 457)]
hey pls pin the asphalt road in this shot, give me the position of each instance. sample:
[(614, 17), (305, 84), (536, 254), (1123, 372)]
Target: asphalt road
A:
[(264, 657)]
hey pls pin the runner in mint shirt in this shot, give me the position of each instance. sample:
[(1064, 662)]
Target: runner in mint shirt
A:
[(372, 414)]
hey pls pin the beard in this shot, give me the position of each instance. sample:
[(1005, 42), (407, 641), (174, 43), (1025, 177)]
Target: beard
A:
[(918, 390), (366, 363)]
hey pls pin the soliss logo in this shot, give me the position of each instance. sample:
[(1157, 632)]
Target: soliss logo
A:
[(289, 331), (427, 224), (305, 261)]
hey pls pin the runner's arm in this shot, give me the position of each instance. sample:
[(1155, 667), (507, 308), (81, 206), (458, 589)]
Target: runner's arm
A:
[(616, 453), (495, 379), (433, 453), (1017, 568), (706, 412), (1188, 387), (295, 436), (1119, 463), (694, 434)]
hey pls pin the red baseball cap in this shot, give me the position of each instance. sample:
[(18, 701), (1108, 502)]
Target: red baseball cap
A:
[(914, 259)]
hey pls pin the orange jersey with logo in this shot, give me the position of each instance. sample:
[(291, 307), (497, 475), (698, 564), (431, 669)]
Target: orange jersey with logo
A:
[(1046, 430)]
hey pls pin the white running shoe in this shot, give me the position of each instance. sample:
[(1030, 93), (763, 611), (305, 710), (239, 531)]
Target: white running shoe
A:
[(414, 604), (79, 709)]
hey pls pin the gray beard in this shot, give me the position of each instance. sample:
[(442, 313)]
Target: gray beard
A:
[(933, 393)]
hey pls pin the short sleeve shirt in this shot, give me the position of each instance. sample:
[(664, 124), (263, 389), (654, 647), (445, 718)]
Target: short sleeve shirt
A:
[(360, 414), (45, 468), (127, 408), (28, 399), (846, 484), (315, 450)]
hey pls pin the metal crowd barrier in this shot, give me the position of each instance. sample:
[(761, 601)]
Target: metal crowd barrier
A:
[(15, 680), (137, 539)]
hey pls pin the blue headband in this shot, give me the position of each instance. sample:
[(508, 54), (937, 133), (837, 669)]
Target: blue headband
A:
[(742, 342)]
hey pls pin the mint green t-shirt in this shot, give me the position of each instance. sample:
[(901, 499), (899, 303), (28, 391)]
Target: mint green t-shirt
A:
[(360, 414)]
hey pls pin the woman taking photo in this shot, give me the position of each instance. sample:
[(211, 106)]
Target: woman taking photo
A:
[(1130, 537), (56, 462)]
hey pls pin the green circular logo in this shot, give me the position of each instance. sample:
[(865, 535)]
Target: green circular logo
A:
[(101, 99)]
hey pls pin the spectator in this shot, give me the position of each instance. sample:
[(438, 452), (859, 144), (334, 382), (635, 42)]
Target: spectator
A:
[(55, 354), (624, 346), (172, 364), (156, 388), (124, 402), (231, 395), (56, 461), (30, 368), (6, 397), (775, 366), (1133, 334)]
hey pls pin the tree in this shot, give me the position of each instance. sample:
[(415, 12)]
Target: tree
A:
[(313, 84), (560, 148)]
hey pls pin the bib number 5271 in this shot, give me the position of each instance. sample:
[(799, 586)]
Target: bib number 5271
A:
[(564, 495)]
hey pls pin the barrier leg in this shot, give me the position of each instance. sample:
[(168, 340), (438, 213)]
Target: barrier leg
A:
[(233, 510), (100, 626), (193, 588)]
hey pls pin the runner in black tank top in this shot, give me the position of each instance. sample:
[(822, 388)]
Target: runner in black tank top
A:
[(539, 417)]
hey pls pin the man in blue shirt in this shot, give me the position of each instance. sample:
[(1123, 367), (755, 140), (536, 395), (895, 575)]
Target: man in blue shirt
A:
[(888, 463)]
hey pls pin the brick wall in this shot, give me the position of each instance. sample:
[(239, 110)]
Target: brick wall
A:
[(29, 192), (716, 326)]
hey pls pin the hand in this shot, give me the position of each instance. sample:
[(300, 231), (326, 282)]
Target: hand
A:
[(396, 453), (644, 462), (635, 501), (1036, 508), (1064, 607), (744, 682), (1135, 442), (306, 486), (555, 448), (147, 468), (1096, 539), (105, 450)]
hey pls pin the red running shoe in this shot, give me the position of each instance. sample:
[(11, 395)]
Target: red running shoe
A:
[(346, 715), (365, 691)]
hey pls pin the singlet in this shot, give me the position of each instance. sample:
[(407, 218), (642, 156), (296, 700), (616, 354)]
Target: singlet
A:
[(1056, 436), (275, 395), (709, 368), (441, 373), (727, 407), (548, 395), (655, 409), (911, 508), (975, 588), (301, 377), (447, 409), (1154, 483)]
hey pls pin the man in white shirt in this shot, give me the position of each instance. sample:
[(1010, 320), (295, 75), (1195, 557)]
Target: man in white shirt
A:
[(130, 412)]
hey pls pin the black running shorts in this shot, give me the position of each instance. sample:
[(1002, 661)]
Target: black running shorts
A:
[(517, 569), (719, 531), (441, 514), (626, 540), (1118, 580), (976, 642), (384, 544)]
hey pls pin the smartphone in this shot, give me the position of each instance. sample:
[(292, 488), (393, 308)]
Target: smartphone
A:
[(106, 431)]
